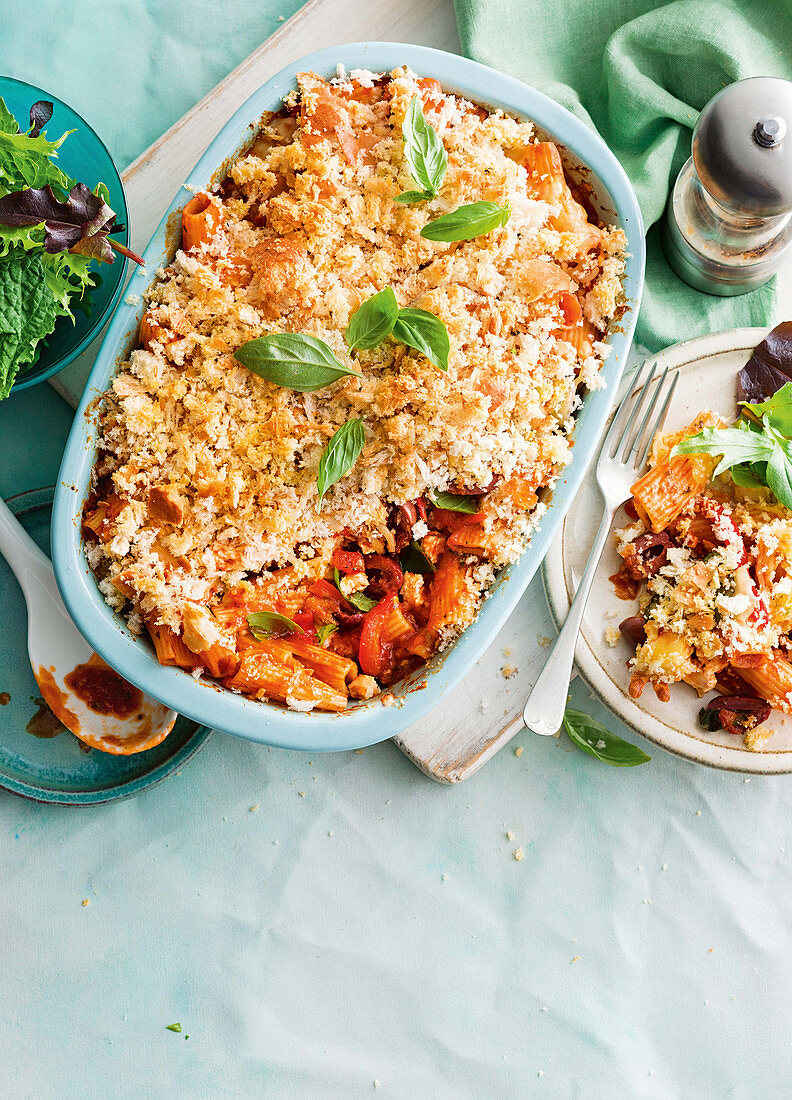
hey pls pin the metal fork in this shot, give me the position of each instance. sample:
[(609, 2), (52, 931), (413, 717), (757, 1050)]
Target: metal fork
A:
[(621, 459)]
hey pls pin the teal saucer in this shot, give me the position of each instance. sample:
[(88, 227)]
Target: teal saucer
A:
[(39, 759), (84, 157)]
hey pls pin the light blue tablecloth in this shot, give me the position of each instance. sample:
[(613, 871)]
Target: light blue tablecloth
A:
[(363, 931)]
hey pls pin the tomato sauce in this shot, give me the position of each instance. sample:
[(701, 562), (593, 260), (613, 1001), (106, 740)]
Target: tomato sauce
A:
[(103, 690), (44, 723), (56, 699)]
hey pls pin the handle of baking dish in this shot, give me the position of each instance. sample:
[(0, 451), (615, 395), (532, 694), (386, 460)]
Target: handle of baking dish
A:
[(546, 703)]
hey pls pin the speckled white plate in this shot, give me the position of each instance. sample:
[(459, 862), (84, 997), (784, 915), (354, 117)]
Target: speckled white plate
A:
[(707, 380)]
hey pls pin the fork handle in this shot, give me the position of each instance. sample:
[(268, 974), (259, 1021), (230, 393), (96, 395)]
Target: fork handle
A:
[(546, 703)]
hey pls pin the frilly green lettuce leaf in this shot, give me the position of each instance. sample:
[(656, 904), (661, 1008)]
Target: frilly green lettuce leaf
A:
[(28, 311)]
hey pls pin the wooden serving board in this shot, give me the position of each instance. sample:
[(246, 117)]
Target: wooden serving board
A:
[(484, 712)]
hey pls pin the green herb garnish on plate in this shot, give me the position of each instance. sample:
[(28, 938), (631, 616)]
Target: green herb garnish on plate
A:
[(757, 449), (52, 230)]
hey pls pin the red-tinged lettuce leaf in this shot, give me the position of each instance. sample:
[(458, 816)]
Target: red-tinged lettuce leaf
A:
[(40, 114), (770, 366), (84, 220)]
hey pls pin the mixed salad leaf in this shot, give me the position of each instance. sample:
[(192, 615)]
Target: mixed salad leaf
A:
[(757, 449), (51, 230)]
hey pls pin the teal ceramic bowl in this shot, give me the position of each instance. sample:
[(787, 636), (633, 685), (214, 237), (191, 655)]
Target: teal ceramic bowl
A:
[(84, 157), (592, 162)]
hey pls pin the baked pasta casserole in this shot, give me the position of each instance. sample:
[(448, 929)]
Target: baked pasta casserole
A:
[(708, 554), (352, 384)]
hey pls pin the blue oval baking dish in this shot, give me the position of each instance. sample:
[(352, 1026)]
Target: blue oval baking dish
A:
[(364, 723)]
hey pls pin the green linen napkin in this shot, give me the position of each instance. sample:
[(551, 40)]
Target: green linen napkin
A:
[(639, 72)]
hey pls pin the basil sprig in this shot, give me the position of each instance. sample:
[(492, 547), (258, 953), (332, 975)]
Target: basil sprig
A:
[(293, 360), (324, 631), (424, 153), (456, 502), (466, 222), (756, 449), (426, 333), (264, 623), (592, 737), (372, 321), (340, 454), (414, 560), (357, 599), (380, 316)]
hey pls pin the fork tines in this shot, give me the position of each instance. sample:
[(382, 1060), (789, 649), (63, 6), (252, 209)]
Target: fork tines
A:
[(623, 436)]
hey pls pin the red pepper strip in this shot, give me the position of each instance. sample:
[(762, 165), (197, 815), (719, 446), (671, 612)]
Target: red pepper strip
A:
[(375, 655), (444, 517), (325, 588), (347, 561), (305, 621)]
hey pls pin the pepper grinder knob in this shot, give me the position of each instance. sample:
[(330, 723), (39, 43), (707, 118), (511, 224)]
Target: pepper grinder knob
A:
[(729, 220)]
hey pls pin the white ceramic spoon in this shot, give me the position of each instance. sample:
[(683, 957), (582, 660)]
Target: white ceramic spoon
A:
[(120, 718)]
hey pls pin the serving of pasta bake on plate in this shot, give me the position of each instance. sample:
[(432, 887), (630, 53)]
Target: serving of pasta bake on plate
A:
[(709, 555), (354, 383)]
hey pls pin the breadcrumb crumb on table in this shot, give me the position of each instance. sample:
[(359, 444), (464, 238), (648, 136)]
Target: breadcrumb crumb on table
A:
[(507, 671), (518, 751), (86, 901), (518, 854)]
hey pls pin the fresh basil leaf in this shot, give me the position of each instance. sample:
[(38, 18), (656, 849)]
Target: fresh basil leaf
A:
[(173, 1027), (414, 560), (340, 455), (466, 222), (265, 623), (779, 475), (736, 446), (592, 737), (361, 602), (457, 502), (409, 198), (372, 321), (293, 360), (745, 477), (423, 149), (324, 631), (426, 333), (357, 599), (777, 409)]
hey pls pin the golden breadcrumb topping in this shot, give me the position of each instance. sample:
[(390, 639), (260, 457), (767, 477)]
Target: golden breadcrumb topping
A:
[(213, 469)]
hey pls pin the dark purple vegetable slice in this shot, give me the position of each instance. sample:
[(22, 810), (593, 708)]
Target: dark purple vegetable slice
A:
[(634, 629), (733, 713), (40, 114), (652, 551), (770, 366)]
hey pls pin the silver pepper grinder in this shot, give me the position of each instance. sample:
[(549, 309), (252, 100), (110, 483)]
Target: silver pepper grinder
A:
[(729, 222)]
